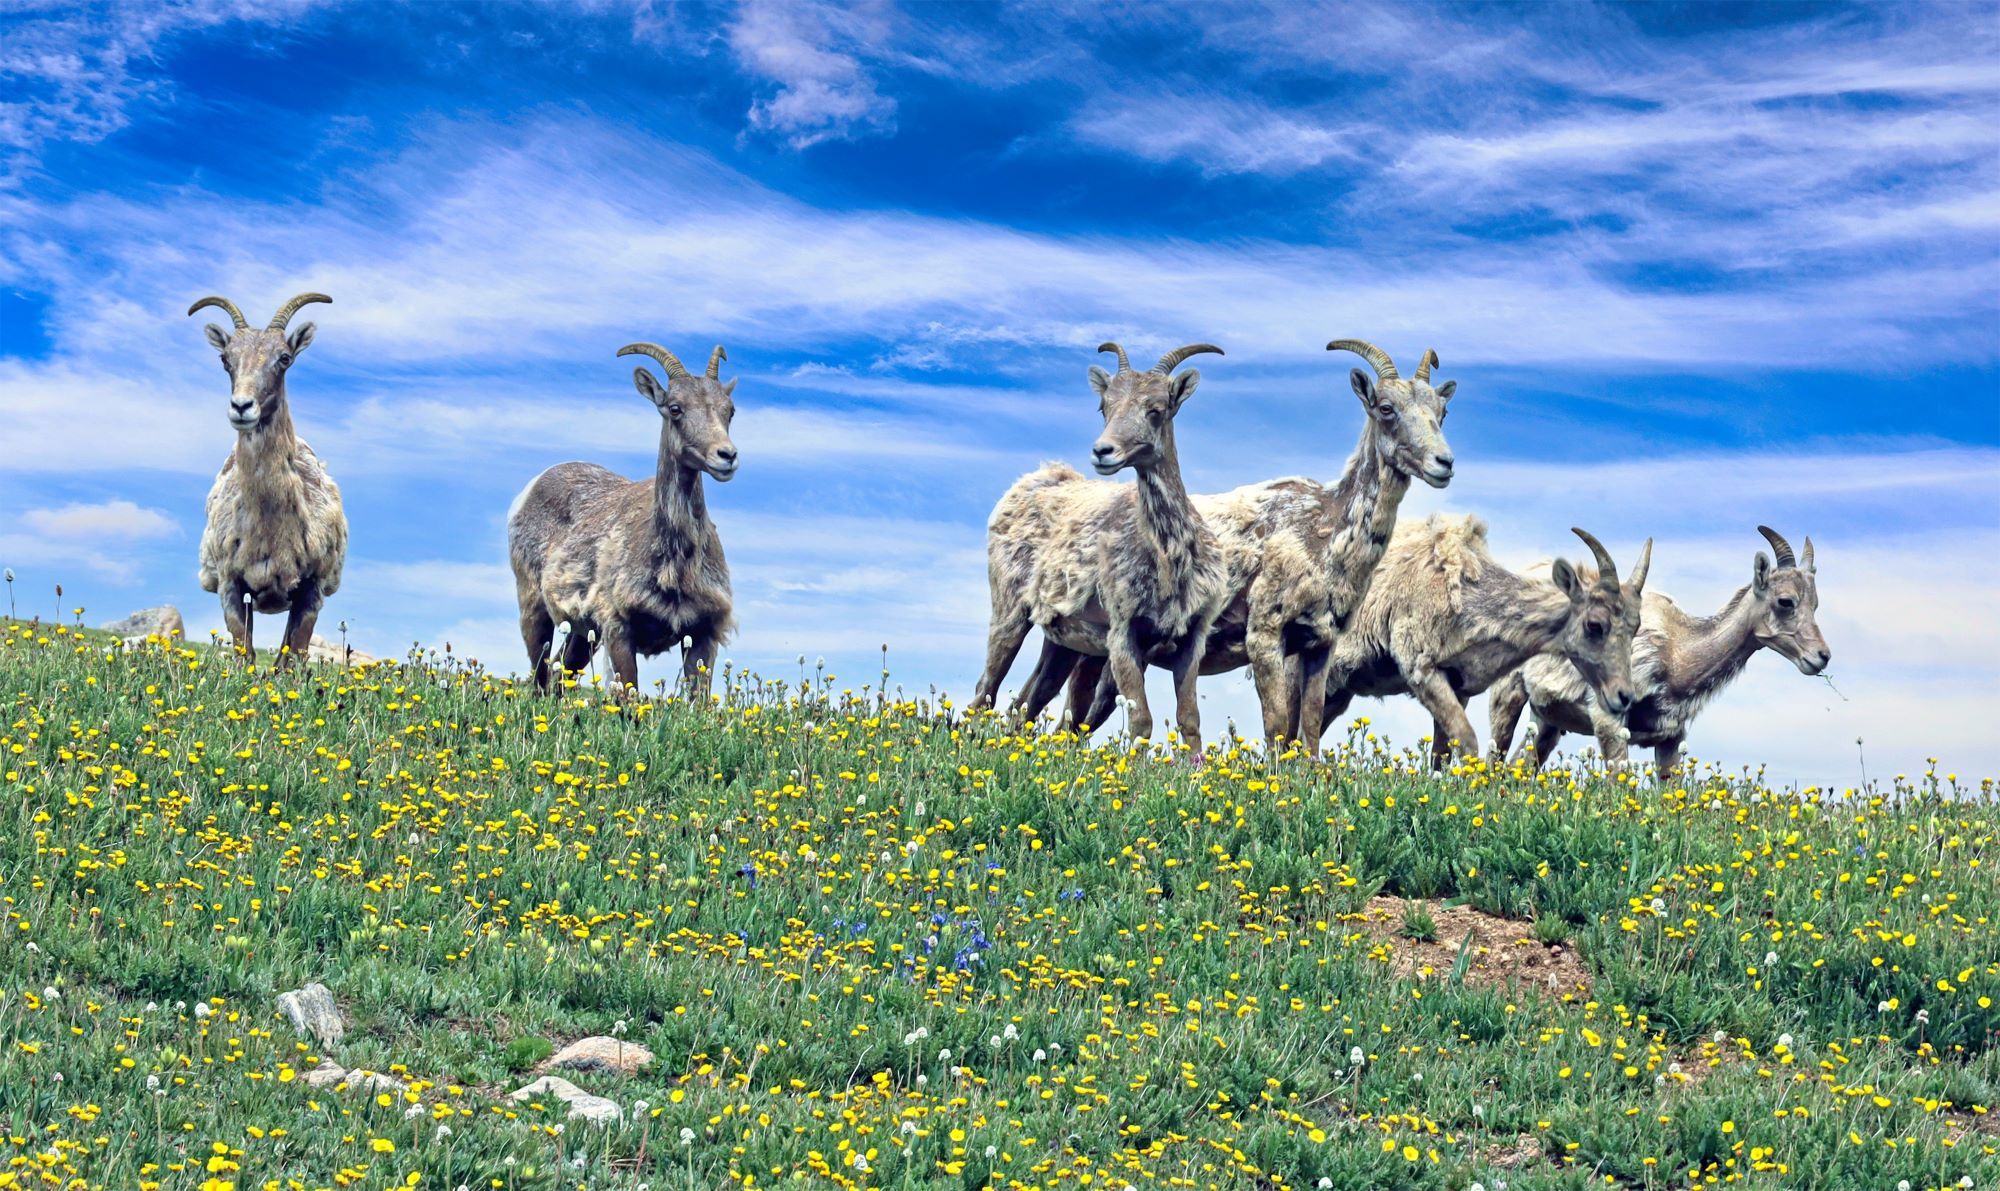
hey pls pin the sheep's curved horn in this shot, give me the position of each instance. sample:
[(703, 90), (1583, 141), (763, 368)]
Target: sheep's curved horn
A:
[(1779, 546), (1808, 561), (291, 308), (715, 359), (667, 359), (1172, 359), (1385, 368), (1638, 580), (1124, 365), (235, 315), (1426, 363), (1607, 571)]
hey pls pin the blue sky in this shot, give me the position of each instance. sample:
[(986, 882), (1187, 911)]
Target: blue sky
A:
[(1694, 267)]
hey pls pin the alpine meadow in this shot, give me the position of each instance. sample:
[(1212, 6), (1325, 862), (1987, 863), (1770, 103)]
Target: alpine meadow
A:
[(1264, 595)]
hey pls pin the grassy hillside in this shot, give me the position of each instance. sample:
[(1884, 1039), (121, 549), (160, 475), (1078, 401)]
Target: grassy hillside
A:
[(871, 946)]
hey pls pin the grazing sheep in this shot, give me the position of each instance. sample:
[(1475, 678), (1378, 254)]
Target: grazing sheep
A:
[(1444, 621), (1302, 553), (276, 537), (1679, 663), (633, 566), (1113, 571)]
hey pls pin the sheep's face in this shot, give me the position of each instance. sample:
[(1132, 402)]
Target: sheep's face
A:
[(695, 412), (1408, 419), (257, 359), (1138, 409), (1785, 616), (1597, 637)]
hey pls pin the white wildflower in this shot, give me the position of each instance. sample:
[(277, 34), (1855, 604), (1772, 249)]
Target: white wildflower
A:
[(49, 993), (1357, 1057), (1770, 959), (1010, 1033), (443, 1131), (1041, 1056), (202, 1010), (687, 1136), (1785, 1040), (641, 1107)]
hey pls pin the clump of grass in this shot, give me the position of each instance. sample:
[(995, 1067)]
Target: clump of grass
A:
[(1418, 924)]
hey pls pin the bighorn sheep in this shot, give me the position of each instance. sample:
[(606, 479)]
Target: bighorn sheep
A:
[(632, 566), (1114, 571), (1303, 553), (1443, 621), (1679, 663), (276, 536)]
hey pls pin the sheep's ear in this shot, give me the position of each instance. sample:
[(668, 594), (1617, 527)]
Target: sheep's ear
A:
[(1182, 387), (1099, 379), (1760, 573), (1445, 390), (302, 337), (1566, 580), (649, 388), (729, 386), (217, 338), (1364, 386)]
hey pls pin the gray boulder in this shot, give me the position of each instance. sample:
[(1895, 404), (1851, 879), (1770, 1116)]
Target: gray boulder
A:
[(313, 1014), (164, 622)]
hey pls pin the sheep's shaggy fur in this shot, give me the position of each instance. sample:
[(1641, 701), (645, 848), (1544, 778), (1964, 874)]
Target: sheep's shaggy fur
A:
[(1443, 621), (275, 526)]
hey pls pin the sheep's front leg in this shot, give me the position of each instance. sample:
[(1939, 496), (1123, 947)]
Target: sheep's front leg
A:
[(237, 618), (1312, 695), (624, 663), (304, 614), (1450, 722), (1547, 736), (1185, 662), (1128, 669), (697, 664), (1338, 700), (1613, 740), (1008, 630), (1263, 642), (1667, 757), (1104, 699), (1083, 687), (1504, 704), (1050, 670)]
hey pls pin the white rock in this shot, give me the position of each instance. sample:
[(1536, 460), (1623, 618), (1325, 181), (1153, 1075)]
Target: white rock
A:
[(595, 1109), (323, 650), (325, 1075), (600, 1053), (164, 621), (313, 1014)]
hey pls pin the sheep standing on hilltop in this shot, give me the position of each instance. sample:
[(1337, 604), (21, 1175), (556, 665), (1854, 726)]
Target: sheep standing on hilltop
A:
[(1679, 662), (276, 536), (635, 567), (1444, 621), (1303, 553), (1113, 571)]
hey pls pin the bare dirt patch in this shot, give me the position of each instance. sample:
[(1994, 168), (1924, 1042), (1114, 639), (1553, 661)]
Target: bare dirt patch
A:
[(1505, 952)]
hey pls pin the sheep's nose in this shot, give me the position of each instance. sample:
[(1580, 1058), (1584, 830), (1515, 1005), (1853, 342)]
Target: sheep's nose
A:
[(1621, 701), (241, 409), (1103, 451), (1825, 656), (1443, 461), (726, 454)]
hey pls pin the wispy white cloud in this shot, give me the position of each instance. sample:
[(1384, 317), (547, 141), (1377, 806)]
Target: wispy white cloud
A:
[(810, 52), (105, 519)]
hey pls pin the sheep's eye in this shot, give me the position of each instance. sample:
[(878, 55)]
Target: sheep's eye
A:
[(1594, 631), (1386, 412), (1153, 416), (285, 360), (675, 409)]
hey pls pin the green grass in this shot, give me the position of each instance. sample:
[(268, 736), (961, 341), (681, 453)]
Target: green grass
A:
[(873, 945)]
